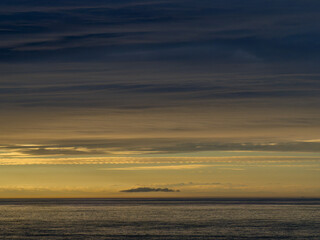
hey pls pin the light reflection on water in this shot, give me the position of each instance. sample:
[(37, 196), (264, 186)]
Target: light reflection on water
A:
[(159, 219)]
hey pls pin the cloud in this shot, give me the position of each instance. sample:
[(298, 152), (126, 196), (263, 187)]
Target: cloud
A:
[(168, 163), (147, 189), (187, 184), (204, 184), (159, 148), (54, 30), (171, 167), (158, 69)]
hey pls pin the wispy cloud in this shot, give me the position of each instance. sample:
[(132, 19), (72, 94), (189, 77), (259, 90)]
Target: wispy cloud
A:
[(170, 167), (161, 148), (147, 189), (204, 184), (162, 163)]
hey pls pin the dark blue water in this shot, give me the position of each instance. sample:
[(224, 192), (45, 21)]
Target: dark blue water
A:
[(160, 219)]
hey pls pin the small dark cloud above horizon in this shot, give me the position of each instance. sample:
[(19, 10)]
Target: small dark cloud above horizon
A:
[(147, 189)]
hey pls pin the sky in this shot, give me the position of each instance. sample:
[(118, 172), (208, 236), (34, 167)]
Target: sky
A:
[(158, 98)]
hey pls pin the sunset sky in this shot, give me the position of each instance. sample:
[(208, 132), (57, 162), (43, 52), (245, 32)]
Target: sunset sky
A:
[(159, 98)]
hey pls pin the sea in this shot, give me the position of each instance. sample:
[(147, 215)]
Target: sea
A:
[(160, 219)]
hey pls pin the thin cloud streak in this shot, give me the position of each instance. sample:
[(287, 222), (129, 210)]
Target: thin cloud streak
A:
[(147, 189), (153, 147), (157, 168), (190, 162)]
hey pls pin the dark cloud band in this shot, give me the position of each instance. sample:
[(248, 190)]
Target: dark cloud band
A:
[(147, 189)]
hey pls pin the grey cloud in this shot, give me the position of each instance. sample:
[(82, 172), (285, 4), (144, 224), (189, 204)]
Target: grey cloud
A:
[(147, 189), (140, 88), (206, 21), (247, 146), (193, 184), (158, 146), (64, 152), (188, 34), (239, 57), (148, 94), (186, 184)]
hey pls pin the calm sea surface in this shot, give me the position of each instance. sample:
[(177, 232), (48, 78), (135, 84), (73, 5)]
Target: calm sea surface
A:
[(160, 219)]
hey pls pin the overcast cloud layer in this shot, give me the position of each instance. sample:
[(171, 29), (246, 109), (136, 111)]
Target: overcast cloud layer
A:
[(243, 75)]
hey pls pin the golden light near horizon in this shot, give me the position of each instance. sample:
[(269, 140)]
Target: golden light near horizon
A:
[(187, 152), (159, 99), (205, 174)]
